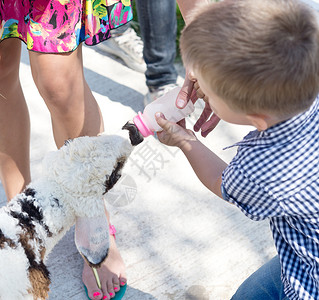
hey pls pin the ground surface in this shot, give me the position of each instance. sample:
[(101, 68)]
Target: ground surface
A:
[(178, 240)]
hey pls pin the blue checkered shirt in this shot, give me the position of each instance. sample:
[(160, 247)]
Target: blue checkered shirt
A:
[(274, 175)]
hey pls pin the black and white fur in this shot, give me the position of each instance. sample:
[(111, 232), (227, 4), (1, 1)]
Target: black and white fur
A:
[(74, 180)]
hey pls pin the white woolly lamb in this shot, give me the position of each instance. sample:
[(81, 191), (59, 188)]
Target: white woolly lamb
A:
[(74, 180)]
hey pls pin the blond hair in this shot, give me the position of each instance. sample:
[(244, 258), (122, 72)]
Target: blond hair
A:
[(257, 55)]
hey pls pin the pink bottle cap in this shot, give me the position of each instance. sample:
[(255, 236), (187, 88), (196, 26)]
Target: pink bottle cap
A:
[(141, 125)]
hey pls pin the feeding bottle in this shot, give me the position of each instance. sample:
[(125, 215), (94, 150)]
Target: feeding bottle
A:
[(146, 122)]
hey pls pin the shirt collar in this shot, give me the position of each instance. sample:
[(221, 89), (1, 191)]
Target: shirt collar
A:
[(281, 132)]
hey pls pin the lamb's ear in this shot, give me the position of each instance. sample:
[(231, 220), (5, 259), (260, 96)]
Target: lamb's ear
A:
[(92, 239), (135, 136)]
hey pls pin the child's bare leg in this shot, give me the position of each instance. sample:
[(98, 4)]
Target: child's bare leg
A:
[(14, 122), (75, 112)]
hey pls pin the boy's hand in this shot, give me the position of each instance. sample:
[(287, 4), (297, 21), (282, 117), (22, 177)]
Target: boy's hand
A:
[(173, 134)]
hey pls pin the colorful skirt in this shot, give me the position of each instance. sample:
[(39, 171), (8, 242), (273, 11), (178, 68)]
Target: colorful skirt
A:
[(55, 26)]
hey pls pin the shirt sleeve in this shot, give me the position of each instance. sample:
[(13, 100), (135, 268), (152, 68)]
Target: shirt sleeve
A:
[(252, 198)]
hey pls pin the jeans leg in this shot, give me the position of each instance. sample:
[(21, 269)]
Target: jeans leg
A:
[(158, 30), (264, 284)]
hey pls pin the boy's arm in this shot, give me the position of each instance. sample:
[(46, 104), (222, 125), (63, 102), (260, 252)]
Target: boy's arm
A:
[(206, 164)]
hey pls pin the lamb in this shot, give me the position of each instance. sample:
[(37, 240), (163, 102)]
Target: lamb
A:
[(75, 178)]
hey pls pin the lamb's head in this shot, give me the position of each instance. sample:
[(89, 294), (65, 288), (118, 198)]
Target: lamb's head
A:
[(85, 168)]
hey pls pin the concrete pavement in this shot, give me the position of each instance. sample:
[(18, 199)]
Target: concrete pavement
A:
[(178, 240)]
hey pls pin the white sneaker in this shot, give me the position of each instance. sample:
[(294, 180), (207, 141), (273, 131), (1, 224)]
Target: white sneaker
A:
[(128, 46), (156, 93)]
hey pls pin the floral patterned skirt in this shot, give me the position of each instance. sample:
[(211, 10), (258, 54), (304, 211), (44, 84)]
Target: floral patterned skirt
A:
[(54, 26)]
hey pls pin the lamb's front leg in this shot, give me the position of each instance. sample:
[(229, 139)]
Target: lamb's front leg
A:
[(111, 273), (92, 239)]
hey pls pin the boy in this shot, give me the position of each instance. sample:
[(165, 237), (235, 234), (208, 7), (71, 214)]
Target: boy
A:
[(256, 62)]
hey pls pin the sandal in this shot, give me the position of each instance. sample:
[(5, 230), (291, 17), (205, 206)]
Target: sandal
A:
[(119, 294)]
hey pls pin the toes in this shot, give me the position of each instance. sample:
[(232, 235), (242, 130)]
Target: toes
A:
[(105, 291), (106, 295), (116, 284), (123, 280), (93, 291), (110, 288), (97, 295), (108, 291)]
